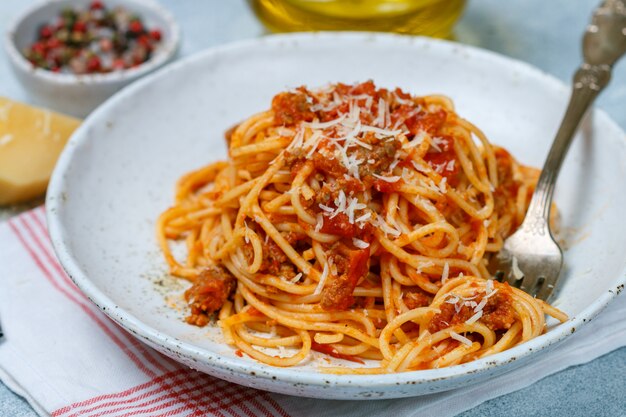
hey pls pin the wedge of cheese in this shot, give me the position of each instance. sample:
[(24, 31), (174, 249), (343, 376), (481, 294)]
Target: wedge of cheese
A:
[(31, 140)]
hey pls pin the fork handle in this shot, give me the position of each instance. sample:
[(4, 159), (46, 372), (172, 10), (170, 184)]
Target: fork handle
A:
[(604, 43), (589, 80)]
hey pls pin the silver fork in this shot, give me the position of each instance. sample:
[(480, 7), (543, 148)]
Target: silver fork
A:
[(531, 258)]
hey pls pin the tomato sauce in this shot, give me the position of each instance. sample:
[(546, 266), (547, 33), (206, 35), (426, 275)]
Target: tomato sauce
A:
[(208, 293), (428, 122), (331, 351), (339, 225), (291, 108), (351, 265), (498, 313), (441, 159)]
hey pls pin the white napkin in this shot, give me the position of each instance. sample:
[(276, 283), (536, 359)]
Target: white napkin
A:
[(67, 359)]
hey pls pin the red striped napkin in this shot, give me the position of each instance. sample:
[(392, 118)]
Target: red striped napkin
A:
[(68, 359)]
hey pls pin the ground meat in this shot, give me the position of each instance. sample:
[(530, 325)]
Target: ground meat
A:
[(327, 194), (275, 262), (368, 87), (401, 94), (415, 298), (208, 293), (428, 122), (351, 265), (294, 160), (448, 317), (339, 225), (379, 159), (329, 166), (291, 108), (441, 160), (350, 185), (273, 258), (386, 186), (498, 313)]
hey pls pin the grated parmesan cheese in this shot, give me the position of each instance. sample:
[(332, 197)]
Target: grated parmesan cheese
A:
[(460, 338), (381, 133), (416, 141), (326, 208), (475, 317), (481, 305), (361, 244), (453, 299), (325, 125), (444, 274), (436, 142), (294, 279), (422, 265), (391, 179), (419, 167), (245, 236), (489, 287), (364, 217), (385, 227), (319, 222), (442, 185), (322, 282), (297, 141)]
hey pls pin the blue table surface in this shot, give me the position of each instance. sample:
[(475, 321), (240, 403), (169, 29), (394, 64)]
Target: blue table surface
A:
[(545, 34)]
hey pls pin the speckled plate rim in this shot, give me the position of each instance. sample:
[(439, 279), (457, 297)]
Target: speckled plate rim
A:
[(294, 375)]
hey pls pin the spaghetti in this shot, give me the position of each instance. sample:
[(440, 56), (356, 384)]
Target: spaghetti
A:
[(357, 222)]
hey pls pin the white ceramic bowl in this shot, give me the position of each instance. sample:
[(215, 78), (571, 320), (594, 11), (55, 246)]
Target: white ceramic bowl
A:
[(118, 173), (80, 94)]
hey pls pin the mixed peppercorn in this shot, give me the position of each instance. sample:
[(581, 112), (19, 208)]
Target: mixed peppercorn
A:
[(96, 40)]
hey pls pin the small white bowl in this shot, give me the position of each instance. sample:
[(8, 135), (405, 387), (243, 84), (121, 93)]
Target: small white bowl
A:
[(75, 94)]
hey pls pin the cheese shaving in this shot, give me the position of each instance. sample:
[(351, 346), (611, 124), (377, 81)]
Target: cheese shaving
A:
[(481, 305), (475, 317), (418, 167), (322, 282), (460, 338), (319, 222), (385, 227), (364, 217), (423, 265), (391, 179), (361, 244), (295, 279), (453, 299), (245, 236), (325, 125), (489, 287), (444, 274), (416, 141), (436, 142)]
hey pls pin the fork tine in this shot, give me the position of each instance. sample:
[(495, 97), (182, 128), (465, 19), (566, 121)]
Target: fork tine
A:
[(547, 289), (512, 280), (529, 284), (534, 273)]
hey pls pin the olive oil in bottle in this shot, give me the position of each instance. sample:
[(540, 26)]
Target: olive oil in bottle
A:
[(421, 17)]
